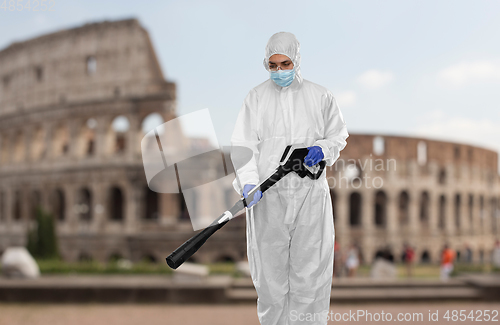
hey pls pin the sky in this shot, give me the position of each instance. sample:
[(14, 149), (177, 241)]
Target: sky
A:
[(413, 68)]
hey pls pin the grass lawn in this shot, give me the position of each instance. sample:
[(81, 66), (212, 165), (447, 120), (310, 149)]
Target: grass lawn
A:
[(144, 267), (429, 271), (432, 271)]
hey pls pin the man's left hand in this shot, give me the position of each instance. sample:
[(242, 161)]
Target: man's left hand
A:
[(314, 156)]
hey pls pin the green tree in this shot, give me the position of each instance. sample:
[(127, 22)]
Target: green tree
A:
[(42, 240)]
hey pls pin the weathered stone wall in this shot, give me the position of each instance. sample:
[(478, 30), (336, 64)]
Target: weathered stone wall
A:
[(59, 150), (410, 188)]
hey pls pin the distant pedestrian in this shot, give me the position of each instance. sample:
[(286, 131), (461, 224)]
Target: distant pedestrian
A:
[(447, 258), (409, 258), (352, 261), (337, 260), (496, 255)]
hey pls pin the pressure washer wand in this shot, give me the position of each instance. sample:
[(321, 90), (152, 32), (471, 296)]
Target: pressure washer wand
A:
[(291, 161)]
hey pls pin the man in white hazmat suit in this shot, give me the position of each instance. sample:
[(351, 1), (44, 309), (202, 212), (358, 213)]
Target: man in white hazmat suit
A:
[(290, 233)]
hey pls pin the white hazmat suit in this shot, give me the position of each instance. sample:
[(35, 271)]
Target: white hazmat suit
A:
[(290, 232)]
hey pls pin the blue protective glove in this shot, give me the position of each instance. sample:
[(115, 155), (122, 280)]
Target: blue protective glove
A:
[(314, 156), (256, 197)]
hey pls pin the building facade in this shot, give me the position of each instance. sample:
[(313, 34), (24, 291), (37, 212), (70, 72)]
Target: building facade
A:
[(73, 105), (392, 190)]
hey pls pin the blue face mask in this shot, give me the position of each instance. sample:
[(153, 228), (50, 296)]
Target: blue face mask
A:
[(283, 78)]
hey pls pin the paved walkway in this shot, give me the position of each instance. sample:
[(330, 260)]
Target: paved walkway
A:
[(160, 314), (224, 289)]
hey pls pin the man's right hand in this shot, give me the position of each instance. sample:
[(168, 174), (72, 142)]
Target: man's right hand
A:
[(256, 197)]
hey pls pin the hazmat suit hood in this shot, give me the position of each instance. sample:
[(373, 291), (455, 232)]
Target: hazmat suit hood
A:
[(287, 44)]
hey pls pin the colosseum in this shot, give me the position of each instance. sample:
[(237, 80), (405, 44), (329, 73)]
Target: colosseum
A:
[(74, 106), (389, 191)]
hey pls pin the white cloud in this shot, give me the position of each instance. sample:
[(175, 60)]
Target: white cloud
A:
[(469, 72), (345, 98), (373, 79)]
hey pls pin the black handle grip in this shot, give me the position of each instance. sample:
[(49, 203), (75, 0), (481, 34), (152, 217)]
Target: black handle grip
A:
[(191, 246), (315, 176), (295, 162)]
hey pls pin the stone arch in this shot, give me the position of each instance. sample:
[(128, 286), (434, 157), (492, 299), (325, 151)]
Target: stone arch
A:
[(186, 211), (380, 209), (457, 207), (354, 174), (442, 176), (225, 258), (150, 121), (497, 217), (333, 198), (493, 213), (385, 253), (117, 135), (19, 151), (471, 212), (425, 258), (4, 148), (84, 206), (378, 254), (60, 140), (87, 138), (58, 204), (404, 203), (16, 206), (151, 211), (355, 209), (442, 212), (35, 203), (183, 210), (2, 206), (116, 204), (38, 149), (481, 210), (424, 207), (120, 125)]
